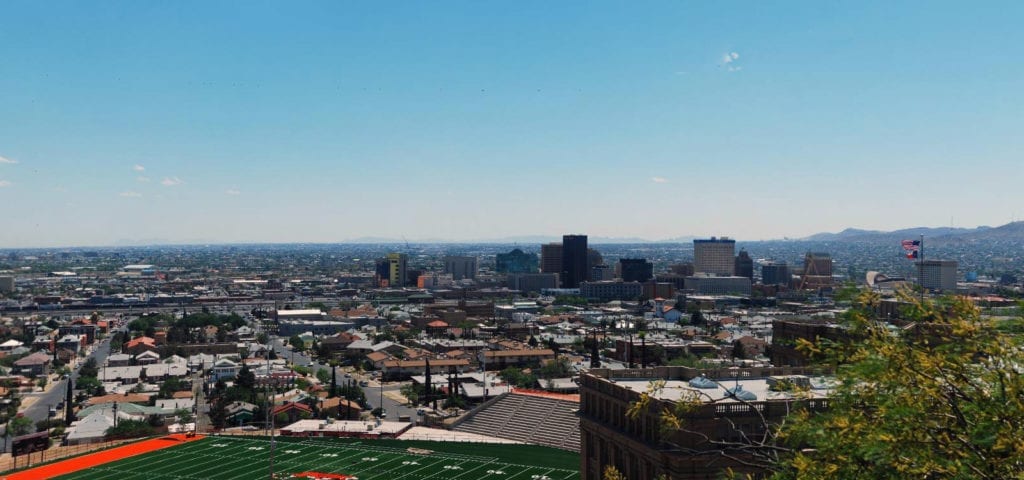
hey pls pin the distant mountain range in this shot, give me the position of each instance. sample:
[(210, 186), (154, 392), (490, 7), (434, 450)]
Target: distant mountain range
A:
[(1010, 231), (1013, 231)]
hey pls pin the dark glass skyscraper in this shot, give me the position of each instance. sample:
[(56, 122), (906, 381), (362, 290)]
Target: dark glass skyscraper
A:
[(635, 269), (744, 265), (574, 260)]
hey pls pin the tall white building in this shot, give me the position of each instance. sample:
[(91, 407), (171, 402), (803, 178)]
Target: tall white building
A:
[(716, 256), (937, 274), (460, 268)]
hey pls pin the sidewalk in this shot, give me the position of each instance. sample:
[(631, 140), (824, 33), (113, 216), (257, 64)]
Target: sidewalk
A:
[(398, 397), (28, 401)]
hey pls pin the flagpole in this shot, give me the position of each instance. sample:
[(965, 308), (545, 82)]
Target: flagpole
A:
[(921, 270)]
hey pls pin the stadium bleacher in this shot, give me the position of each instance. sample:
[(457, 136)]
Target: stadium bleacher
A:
[(548, 420)]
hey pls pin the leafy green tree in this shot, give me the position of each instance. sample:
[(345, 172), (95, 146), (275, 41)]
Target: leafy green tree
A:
[(130, 429), (218, 413), (246, 379), (89, 368), (297, 344), (697, 318), (572, 300), (169, 386), (91, 385), (184, 415), (557, 368), (353, 393), (20, 425), (318, 305), (943, 400), (454, 402), (412, 391), (518, 378)]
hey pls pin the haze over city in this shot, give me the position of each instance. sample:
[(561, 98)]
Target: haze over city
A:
[(335, 121), (602, 240)]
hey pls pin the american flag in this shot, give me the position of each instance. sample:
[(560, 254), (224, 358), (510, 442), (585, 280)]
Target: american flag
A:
[(911, 245)]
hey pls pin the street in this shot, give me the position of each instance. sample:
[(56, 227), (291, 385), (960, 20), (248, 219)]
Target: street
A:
[(41, 402), (372, 391)]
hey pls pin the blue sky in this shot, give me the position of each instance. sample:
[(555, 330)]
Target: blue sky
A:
[(326, 121)]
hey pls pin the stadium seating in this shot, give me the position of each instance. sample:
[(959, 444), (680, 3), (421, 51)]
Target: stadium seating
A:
[(532, 419)]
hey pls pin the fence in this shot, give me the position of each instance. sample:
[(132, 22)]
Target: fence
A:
[(8, 463)]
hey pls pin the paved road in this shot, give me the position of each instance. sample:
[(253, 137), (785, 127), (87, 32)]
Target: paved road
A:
[(372, 392), (39, 410), (394, 409)]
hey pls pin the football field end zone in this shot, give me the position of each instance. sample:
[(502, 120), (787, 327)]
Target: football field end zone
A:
[(89, 460)]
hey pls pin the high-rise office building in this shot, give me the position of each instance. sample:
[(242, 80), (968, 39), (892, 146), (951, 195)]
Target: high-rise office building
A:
[(516, 261), (715, 256), (635, 269), (937, 275), (532, 283), (775, 273), (744, 266), (817, 271), (594, 259), (460, 267), (398, 269), (551, 258), (574, 260), (6, 284), (382, 272), (600, 273)]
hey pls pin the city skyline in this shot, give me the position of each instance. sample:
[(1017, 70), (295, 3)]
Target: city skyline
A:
[(199, 122)]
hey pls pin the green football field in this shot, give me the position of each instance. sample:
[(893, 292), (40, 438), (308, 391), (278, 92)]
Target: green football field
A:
[(238, 458)]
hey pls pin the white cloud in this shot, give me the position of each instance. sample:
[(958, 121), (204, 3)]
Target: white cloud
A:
[(142, 179), (729, 61), (659, 180), (5, 183), (171, 181), (130, 194), (233, 192), (8, 160), (139, 168)]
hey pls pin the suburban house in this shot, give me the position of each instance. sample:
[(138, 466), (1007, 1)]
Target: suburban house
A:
[(406, 368), (291, 412), (35, 364), (225, 369), (501, 359), (148, 357), (141, 344)]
